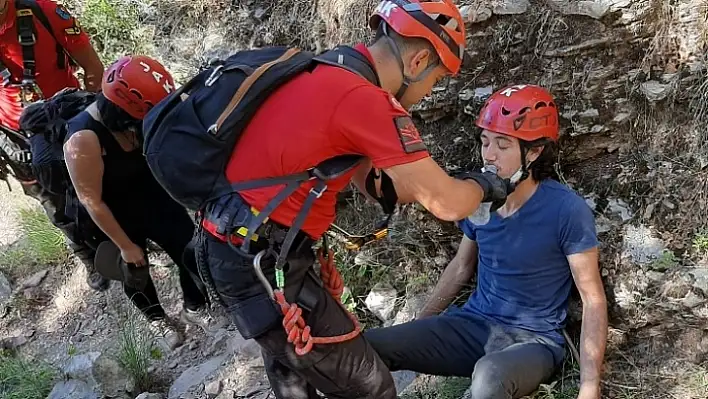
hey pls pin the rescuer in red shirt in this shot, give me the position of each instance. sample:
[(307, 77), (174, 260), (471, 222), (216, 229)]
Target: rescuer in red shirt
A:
[(316, 116), (39, 43), (53, 69)]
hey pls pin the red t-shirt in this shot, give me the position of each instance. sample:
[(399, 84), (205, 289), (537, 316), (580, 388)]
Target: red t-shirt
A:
[(49, 78), (316, 116)]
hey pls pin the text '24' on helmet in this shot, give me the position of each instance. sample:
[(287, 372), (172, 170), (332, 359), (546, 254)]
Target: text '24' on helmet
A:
[(437, 21), (527, 112), (136, 84)]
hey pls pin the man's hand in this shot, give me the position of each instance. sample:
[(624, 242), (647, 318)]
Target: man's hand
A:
[(496, 189), (133, 254), (589, 390)]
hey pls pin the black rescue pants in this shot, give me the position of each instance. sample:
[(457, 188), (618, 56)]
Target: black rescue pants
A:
[(169, 226), (347, 370)]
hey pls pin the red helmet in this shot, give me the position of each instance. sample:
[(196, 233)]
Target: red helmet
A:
[(527, 112), (438, 21), (136, 83)]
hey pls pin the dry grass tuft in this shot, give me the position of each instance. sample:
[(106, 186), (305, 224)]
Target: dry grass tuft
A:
[(294, 22), (346, 21), (698, 107), (664, 20)]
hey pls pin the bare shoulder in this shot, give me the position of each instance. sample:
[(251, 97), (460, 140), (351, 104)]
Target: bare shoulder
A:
[(84, 143)]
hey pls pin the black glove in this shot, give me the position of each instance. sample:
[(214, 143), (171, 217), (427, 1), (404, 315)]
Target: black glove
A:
[(495, 188)]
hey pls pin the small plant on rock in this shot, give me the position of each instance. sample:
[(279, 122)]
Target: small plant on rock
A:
[(700, 242), (41, 244), (667, 260), (24, 379), (135, 348)]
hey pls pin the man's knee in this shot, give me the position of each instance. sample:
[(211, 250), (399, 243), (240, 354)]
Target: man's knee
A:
[(489, 381), (383, 343)]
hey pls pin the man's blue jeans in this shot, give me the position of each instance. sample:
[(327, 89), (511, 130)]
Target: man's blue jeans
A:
[(503, 362)]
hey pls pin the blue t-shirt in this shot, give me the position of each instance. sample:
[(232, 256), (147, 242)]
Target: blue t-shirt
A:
[(523, 275)]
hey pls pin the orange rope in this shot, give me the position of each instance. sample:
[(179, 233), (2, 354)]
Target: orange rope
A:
[(298, 332)]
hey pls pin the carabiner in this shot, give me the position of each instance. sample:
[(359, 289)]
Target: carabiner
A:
[(259, 273), (214, 76)]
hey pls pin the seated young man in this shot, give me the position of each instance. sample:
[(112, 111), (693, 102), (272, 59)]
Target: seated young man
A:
[(507, 337)]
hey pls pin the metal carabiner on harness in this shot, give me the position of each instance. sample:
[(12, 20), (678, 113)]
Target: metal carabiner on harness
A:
[(297, 331), (259, 273), (279, 274)]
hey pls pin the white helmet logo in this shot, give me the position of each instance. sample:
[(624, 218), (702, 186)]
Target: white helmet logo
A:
[(511, 90), (385, 8)]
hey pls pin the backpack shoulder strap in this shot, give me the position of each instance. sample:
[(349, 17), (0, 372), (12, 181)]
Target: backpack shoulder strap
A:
[(25, 26), (27, 38), (352, 60)]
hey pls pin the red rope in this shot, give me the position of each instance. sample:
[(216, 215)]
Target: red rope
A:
[(298, 332)]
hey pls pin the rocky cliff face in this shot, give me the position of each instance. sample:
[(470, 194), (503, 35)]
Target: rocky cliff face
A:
[(629, 76), (631, 81)]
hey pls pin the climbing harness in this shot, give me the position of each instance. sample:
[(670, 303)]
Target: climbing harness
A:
[(297, 330), (26, 12), (245, 80)]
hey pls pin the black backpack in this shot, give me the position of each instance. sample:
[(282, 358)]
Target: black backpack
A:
[(189, 136), (44, 124)]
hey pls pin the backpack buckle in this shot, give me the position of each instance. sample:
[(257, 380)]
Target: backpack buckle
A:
[(26, 40), (24, 156), (214, 76), (318, 192)]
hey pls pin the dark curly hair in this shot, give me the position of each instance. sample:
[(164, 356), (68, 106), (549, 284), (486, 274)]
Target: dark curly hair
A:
[(544, 167)]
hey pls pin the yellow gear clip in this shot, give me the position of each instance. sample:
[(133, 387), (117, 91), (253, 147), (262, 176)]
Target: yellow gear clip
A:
[(243, 230), (354, 243)]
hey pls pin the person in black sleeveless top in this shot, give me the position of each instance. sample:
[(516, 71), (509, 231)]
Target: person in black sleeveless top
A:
[(116, 189)]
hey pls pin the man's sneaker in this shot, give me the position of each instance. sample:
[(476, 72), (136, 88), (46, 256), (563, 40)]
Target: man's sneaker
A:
[(93, 278), (97, 282), (164, 331), (201, 317)]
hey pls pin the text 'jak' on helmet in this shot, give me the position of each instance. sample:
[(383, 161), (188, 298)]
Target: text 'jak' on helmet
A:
[(136, 84)]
